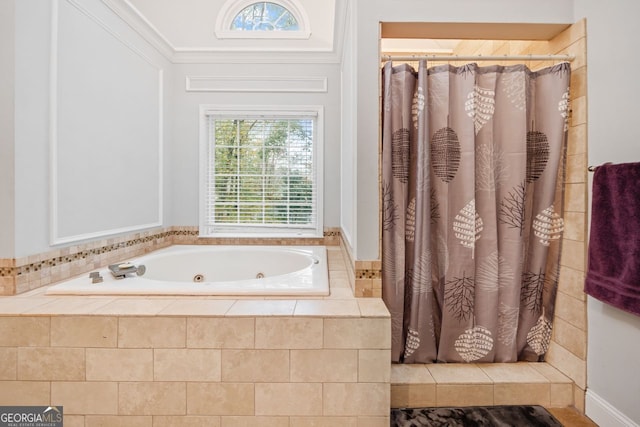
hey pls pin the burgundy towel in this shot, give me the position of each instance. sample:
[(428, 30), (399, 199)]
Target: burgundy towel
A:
[(613, 272)]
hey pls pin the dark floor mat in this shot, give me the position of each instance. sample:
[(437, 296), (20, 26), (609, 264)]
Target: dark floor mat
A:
[(485, 416)]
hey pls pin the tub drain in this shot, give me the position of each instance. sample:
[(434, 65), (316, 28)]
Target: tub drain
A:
[(260, 276), (198, 278)]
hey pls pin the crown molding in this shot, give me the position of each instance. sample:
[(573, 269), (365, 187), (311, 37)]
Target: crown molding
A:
[(251, 55), (132, 17)]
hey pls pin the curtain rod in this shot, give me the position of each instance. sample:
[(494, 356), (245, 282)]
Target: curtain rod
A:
[(568, 58)]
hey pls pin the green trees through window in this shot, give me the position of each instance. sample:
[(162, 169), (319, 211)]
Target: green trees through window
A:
[(265, 16), (262, 172)]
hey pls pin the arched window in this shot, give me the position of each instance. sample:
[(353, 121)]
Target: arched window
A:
[(265, 16), (283, 19)]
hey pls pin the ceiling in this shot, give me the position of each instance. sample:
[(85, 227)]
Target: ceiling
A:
[(185, 30)]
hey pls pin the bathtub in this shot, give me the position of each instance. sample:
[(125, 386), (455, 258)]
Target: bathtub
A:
[(215, 270)]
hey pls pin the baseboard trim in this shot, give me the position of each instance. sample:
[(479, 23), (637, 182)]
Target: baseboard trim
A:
[(605, 414)]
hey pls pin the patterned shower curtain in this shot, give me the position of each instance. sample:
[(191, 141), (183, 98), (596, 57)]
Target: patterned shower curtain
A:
[(473, 163)]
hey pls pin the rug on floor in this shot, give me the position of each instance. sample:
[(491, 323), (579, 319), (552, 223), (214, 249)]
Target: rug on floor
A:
[(481, 416)]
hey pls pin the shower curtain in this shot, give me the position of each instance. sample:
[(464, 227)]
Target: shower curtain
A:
[(473, 162)]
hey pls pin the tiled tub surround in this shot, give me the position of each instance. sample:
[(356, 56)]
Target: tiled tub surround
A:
[(178, 361), (27, 273)]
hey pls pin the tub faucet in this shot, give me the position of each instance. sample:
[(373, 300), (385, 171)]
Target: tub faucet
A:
[(95, 277), (120, 271)]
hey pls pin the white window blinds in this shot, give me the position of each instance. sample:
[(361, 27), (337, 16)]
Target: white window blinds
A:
[(261, 173)]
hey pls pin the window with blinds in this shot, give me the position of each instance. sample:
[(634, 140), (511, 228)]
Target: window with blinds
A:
[(261, 173)]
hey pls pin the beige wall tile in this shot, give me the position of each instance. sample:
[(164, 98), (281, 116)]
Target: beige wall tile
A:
[(571, 310), (356, 399), (374, 366), (579, 49), (572, 283), (512, 373), (24, 331), (8, 363), (186, 365), (570, 35), (343, 292), (69, 305), (324, 365), (578, 398), (324, 422), (570, 337), (51, 364), (119, 364), (288, 333), (21, 393), (255, 365), (374, 421), (567, 363), (413, 395), (185, 421), (151, 332), (372, 307), (74, 420), (575, 226), (86, 398), (522, 394), (573, 254), (464, 395), (253, 308), (254, 421), (115, 421), (357, 333), (220, 399), (220, 333), (209, 307), (152, 398), (411, 374), (561, 395), (84, 331), (577, 143), (288, 399), (458, 373), (579, 111), (550, 373), (20, 305), (327, 307), (134, 306), (575, 198), (579, 82)]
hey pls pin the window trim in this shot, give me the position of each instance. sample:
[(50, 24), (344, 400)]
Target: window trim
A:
[(268, 111), (231, 8)]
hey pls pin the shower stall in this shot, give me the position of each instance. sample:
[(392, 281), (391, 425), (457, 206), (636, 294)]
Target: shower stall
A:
[(541, 318)]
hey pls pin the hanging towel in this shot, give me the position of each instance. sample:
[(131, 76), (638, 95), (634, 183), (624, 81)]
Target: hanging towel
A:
[(613, 272)]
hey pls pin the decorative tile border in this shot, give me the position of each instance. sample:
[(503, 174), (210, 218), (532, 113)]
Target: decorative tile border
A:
[(365, 276), (27, 273)]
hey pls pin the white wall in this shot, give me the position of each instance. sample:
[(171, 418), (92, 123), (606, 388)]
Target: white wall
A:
[(184, 150), (613, 364), (32, 47), (370, 14), (33, 20), (7, 58), (348, 164)]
